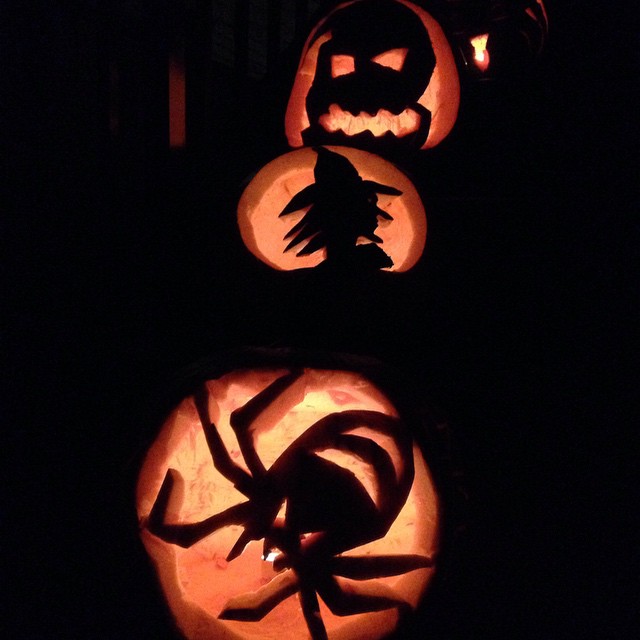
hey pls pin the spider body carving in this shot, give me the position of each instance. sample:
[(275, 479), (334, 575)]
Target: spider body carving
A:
[(328, 511)]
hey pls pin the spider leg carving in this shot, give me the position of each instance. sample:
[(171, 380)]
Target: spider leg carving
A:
[(311, 612), (265, 406), (346, 602), (368, 567), (221, 459), (253, 606), (263, 410), (186, 535)]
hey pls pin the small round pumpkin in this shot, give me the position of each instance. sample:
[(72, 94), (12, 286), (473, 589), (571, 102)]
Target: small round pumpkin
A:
[(378, 75), (308, 202), (502, 38), (275, 482)]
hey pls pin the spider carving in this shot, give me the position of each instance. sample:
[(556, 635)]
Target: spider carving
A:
[(328, 510)]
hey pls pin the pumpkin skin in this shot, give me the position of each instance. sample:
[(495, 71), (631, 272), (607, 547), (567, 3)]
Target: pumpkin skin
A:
[(198, 582), (376, 75), (263, 230)]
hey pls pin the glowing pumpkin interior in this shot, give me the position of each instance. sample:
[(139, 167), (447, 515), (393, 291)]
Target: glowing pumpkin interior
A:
[(506, 43), (396, 112), (264, 231), (198, 581)]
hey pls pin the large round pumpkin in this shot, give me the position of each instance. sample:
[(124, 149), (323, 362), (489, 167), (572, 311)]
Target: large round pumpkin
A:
[(374, 74), (287, 503), (276, 231)]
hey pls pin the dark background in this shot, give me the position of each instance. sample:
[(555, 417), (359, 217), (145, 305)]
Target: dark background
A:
[(122, 266)]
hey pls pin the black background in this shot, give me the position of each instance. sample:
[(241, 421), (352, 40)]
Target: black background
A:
[(123, 266)]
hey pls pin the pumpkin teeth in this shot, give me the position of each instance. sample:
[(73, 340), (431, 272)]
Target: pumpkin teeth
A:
[(378, 124)]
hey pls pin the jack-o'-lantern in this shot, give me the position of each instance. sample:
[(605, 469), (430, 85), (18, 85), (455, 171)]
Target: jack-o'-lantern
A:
[(338, 206), (288, 502), (375, 74), (496, 38)]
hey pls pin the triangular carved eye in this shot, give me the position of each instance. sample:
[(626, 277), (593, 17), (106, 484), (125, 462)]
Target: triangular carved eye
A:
[(342, 64), (393, 59)]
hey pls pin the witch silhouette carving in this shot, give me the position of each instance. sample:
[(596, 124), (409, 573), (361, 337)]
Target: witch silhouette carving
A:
[(343, 215)]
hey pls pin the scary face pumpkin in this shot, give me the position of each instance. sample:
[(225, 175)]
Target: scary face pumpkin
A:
[(333, 205), (375, 74), (287, 502)]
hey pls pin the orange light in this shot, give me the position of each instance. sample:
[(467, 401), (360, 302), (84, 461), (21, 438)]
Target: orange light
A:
[(342, 65), (394, 58), (480, 53), (379, 124)]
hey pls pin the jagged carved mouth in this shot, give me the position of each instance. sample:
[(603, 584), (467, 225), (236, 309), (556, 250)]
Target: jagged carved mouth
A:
[(382, 122)]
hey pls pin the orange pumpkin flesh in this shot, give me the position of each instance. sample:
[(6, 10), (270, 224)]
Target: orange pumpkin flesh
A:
[(198, 582), (441, 96), (263, 231)]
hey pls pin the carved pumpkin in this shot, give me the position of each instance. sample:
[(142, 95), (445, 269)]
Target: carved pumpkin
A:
[(288, 503), (481, 57), (333, 204), (374, 74), (499, 38)]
